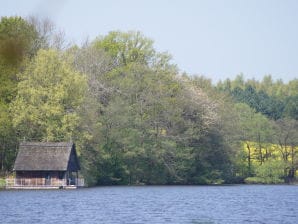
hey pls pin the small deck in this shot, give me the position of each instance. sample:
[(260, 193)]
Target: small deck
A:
[(30, 184), (42, 187)]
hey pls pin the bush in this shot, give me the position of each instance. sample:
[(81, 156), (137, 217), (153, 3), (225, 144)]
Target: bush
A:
[(270, 172), (2, 183)]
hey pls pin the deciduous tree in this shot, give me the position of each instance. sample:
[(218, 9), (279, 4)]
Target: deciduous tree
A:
[(50, 94)]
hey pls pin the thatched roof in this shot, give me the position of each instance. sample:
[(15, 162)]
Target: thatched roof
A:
[(39, 156)]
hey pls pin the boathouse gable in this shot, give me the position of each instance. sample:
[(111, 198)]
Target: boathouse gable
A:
[(73, 163)]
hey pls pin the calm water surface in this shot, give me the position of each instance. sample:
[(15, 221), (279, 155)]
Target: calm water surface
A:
[(158, 204)]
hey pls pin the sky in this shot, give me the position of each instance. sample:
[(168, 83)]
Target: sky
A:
[(215, 38)]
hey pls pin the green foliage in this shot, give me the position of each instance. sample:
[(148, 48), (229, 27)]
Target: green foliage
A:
[(149, 123), (16, 42), (2, 183), (8, 141), (134, 119), (49, 95), (274, 99), (16, 39), (291, 107), (261, 180), (127, 47), (260, 101), (271, 172)]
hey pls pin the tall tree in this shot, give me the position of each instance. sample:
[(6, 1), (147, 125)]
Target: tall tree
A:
[(49, 96), (255, 131), (16, 41), (286, 138), (127, 47)]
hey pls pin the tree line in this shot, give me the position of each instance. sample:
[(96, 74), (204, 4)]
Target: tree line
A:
[(134, 117)]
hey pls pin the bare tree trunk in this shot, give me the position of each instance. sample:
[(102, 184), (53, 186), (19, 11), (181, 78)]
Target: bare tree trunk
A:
[(260, 148)]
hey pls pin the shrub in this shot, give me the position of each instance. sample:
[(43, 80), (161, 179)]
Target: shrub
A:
[(2, 183), (270, 172)]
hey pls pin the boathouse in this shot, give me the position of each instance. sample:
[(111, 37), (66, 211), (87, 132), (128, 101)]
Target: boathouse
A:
[(49, 165)]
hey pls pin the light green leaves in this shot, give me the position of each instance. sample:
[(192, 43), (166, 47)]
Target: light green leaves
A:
[(49, 96)]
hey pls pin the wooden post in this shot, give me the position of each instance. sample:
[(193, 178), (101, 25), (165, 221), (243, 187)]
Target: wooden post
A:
[(67, 176)]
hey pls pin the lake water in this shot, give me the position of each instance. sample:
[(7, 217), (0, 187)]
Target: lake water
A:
[(153, 204)]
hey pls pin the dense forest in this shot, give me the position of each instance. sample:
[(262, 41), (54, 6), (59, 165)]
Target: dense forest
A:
[(134, 117)]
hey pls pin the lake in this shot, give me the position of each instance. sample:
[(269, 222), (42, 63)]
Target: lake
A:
[(153, 204)]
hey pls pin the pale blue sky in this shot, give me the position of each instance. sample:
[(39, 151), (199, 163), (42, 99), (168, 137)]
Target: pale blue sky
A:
[(215, 38)]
